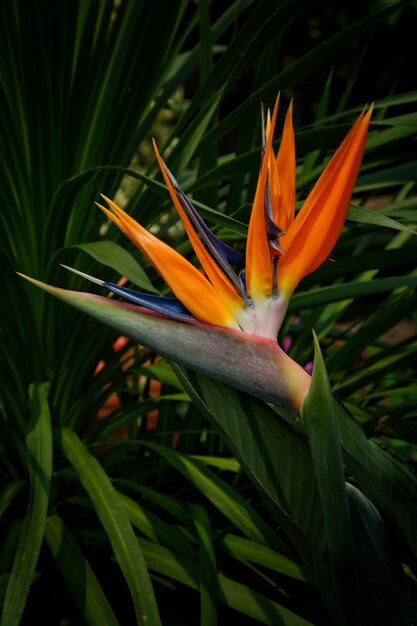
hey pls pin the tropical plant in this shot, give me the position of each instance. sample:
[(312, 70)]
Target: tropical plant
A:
[(224, 502)]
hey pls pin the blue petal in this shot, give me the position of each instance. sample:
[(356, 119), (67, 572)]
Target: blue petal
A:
[(224, 254), (160, 304), (228, 254), (273, 230)]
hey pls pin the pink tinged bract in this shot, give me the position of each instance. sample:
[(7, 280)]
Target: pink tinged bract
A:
[(249, 363)]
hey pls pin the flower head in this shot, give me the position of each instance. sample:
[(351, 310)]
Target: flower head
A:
[(250, 292), (233, 309)]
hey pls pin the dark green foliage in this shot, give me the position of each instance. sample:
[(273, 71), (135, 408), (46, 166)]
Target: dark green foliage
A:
[(147, 519)]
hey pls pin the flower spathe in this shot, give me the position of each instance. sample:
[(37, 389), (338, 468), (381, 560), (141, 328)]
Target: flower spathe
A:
[(251, 293)]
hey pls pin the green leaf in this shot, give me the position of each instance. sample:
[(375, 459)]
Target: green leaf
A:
[(191, 138), (389, 484), (112, 255), (366, 216), (155, 528), (39, 448), (247, 550), (167, 503), (360, 263), (389, 176), (8, 494), (116, 524), (376, 368), (382, 478), (277, 460), (318, 414), (355, 289), (380, 575), (224, 463), (295, 72), (240, 597), (80, 578), (385, 317), (162, 371), (208, 573), (4, 580), (221, 495)]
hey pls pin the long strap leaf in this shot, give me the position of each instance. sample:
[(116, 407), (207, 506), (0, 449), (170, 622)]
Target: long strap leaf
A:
[(116, 524), (80, 577), (39, 448), (278, 462), (322, 428)]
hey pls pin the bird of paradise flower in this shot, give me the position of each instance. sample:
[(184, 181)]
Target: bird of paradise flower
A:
[(224, 321)]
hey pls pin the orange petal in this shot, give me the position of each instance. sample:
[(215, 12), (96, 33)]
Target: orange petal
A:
[(259, 277), (282, 177), (225, 289), (285, 165), (187, 283), (317, 226)]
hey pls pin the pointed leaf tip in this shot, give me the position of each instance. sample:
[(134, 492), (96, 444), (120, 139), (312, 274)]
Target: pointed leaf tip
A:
[(322, 428)]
